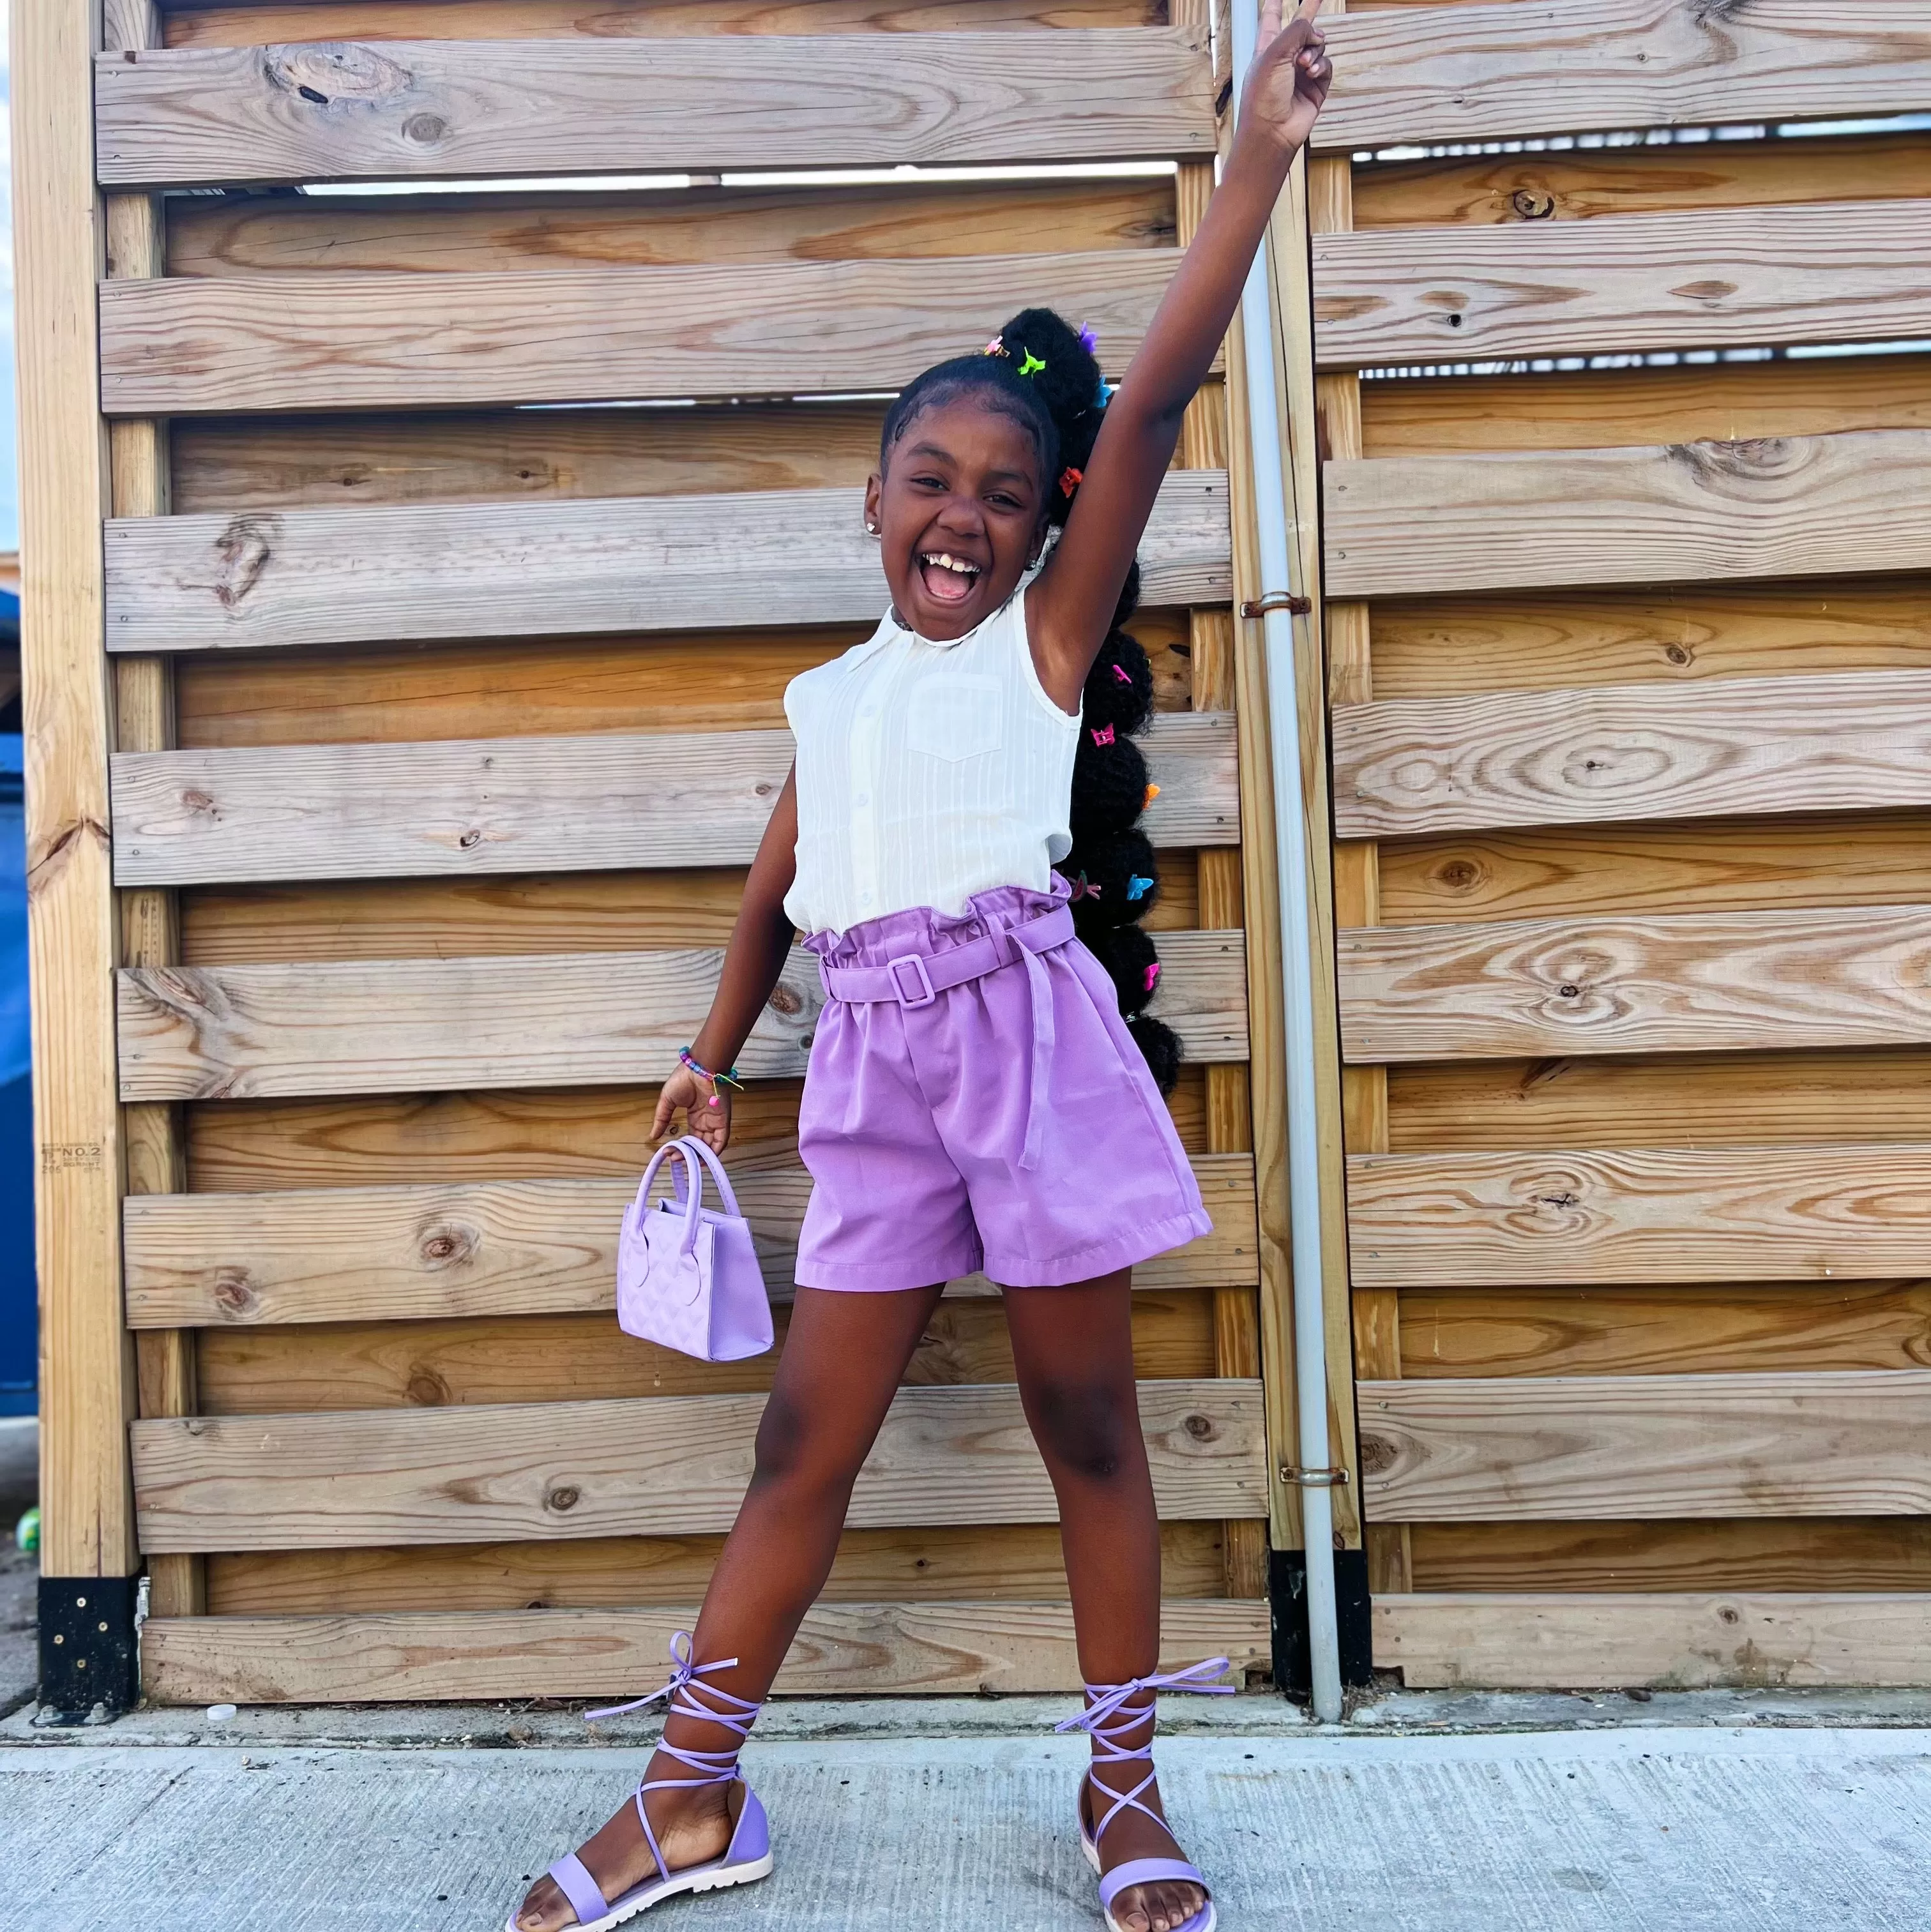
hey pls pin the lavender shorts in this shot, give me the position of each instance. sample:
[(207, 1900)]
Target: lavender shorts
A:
[(915, 1120)]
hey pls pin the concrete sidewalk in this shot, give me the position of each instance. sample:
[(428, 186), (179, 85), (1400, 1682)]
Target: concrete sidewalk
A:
[(1651, 1828)]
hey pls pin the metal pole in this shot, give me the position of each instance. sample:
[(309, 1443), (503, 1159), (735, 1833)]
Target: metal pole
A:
[(1310, 1371)]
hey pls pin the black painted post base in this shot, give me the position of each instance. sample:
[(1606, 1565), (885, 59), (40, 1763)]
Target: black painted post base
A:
[(87, 1646), (1287, 1589)]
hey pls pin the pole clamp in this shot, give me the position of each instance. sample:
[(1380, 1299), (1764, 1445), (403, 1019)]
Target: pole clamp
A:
[(1314, 1479), (1277, 600)]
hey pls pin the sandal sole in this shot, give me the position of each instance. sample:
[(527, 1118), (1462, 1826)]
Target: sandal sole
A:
[(693, 1878)]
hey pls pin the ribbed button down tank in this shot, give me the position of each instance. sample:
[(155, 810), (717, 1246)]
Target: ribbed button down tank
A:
[(927, 772)]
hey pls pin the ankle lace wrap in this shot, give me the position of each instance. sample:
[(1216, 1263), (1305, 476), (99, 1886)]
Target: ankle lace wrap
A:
[(1111, 1712), (686, 1692)]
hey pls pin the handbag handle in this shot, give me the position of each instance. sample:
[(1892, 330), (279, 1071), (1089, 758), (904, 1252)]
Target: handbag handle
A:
[(702, 1149), (690, 1171)]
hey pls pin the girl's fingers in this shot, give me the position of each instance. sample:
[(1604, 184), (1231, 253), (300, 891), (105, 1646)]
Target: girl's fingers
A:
[(1307, 10)]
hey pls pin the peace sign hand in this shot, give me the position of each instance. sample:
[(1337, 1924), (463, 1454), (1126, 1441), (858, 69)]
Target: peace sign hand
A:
[(1289, 81)]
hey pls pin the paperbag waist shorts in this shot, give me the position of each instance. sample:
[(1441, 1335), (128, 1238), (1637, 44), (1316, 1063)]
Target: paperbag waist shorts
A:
[(1008, 1123)]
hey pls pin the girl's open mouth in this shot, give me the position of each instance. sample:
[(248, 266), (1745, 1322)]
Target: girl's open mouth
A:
[(947, 579)]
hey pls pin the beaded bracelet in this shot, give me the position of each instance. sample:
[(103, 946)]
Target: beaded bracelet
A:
[(690, 1061)]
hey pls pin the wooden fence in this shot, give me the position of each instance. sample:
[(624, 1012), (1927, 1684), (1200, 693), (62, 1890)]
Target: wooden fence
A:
[(1630, 735), (382, 862)]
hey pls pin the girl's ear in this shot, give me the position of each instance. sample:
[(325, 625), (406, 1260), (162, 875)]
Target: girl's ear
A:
[(875, 512)]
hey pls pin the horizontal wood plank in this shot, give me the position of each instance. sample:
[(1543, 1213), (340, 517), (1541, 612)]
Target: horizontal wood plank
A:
[(499, 1247), (1013, 1562), (1703, 983), (1412, 74), (282, 1370), (331, 340), (1860, 741), (393, 110), (537, 230), (596, 1019), (1843, 271), (1493, 1448), (531, 805), (1884, 1554), (1579, 184), (1777, 507), (909, 1649), (1563, 1328), (1821, 1098), (1834, 1640), (522, 569), (669, 1466), (1639, 1214)]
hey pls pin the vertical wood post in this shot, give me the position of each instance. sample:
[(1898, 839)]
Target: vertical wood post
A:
[(149, 917), (1203, 446), (1332, 646), (87, 1378)]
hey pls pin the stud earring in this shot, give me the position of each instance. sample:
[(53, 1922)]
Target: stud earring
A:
[(872, 529)]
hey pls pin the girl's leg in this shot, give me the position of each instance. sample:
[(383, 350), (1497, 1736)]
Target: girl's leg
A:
[(1073, 1348), (844, 1355)]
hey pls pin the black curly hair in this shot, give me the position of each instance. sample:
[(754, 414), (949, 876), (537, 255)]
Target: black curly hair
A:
[(1042, 373), (1059, 400)]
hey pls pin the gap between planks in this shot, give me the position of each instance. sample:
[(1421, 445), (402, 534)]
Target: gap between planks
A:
[(899, 1649)]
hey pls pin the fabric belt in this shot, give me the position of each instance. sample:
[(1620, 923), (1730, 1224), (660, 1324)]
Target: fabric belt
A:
[(916, 980)]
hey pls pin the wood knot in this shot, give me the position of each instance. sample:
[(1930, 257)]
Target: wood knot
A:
[(470, 839), (1730, 1614), (234, 1294), (784, 1000), (243, 551), (561, 1499), (446, 1244), (427, 1389), (1569, 990), (1533, 204), (428, 129), (1458, 875), (1376, 1454), (1200, 1427), (1677, 655), (199, 804), (327, 73)]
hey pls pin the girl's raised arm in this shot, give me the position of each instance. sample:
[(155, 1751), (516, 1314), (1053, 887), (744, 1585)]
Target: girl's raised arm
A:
[(1069, 607)]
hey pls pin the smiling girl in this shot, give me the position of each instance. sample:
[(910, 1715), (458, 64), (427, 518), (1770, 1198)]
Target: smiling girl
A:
[(974, 1099)]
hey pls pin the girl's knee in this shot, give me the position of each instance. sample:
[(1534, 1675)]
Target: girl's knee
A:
[(795, 1446), (1090, 1430)]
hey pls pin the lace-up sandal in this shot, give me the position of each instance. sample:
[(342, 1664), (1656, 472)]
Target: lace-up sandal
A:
[(1109, 1714), (747, 1857)]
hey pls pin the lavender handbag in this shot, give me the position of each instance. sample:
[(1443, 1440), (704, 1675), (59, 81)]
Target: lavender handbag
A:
[(688, 1277)]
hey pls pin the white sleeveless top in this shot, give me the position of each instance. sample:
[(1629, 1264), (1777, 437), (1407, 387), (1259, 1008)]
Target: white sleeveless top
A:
[(927, 772)]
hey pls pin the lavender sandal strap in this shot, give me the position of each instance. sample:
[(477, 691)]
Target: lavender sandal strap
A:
[(1146, 1871), (575, 1883)]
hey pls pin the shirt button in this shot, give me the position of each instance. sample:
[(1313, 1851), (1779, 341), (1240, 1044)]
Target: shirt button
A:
[(869, 711), (863, 798), (864, 898)]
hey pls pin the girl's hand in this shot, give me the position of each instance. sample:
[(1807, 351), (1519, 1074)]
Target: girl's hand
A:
[(709, 1114), (1288, 81)]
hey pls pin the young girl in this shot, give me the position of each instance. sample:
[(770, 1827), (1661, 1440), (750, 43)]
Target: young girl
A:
[(974, 1098)]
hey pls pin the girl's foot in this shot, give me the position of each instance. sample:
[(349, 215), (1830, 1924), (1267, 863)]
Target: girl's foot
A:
[(1165, 1905), (692, 1826)]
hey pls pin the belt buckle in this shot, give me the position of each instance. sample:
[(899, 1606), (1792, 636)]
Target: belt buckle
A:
[(916, 961)]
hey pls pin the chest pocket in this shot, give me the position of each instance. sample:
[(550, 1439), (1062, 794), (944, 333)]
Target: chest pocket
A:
[(955, 715)]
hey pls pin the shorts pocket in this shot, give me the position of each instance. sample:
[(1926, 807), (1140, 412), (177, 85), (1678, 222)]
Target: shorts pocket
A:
[(955, 715)]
